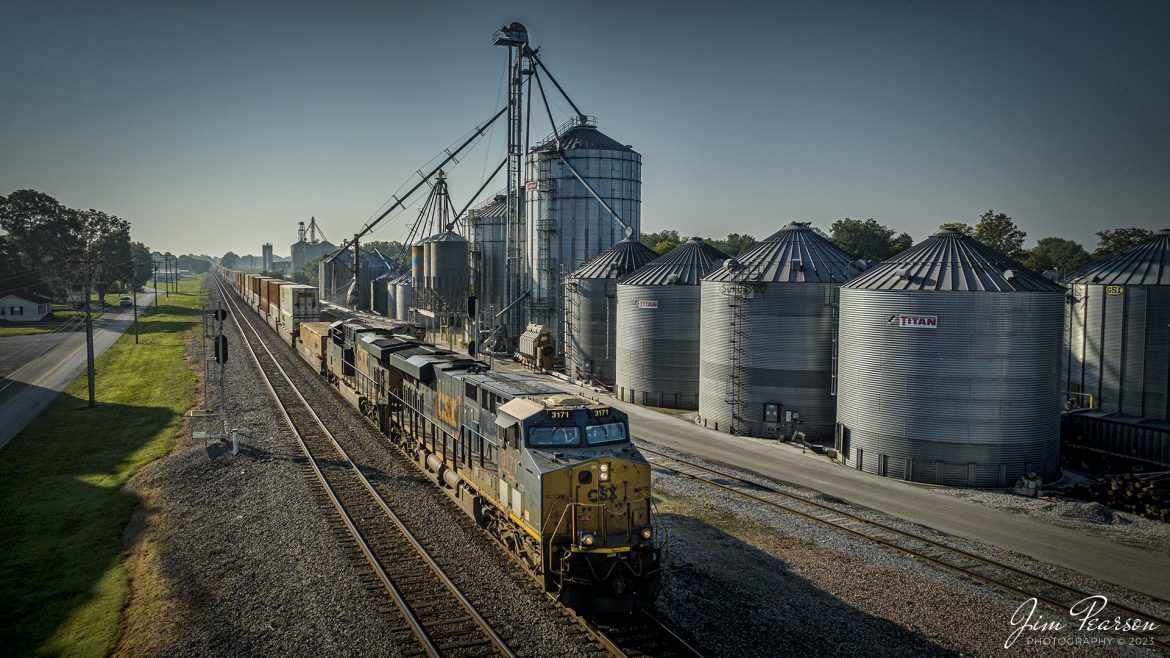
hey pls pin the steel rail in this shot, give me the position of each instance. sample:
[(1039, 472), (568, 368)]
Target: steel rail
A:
[(399, 599), (887, 540)]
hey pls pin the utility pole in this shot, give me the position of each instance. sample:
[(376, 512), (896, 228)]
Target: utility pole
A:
[(88, 332), (134, 294), (156, 285)]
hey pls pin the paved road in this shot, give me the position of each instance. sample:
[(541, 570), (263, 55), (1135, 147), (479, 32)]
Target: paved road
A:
[(37, 368), (1133, 568)]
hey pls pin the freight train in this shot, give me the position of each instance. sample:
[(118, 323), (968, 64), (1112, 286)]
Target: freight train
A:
[(553, 477)]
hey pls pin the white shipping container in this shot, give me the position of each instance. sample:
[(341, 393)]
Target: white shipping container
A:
[(299, 301)]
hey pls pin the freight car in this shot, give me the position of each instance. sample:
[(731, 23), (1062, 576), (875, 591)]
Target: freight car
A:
[(553, 477)]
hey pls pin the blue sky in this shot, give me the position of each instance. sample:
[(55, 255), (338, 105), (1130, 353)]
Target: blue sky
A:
[(214, 126)]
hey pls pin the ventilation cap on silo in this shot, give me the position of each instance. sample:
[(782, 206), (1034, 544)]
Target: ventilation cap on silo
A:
[(686, 264), (795, 254), (951, 261)]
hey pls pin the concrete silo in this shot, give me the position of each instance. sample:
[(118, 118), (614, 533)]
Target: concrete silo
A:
[(591, 311), (565, 226), (658, 327), (1116, 367), (768, 324), (948, 367)]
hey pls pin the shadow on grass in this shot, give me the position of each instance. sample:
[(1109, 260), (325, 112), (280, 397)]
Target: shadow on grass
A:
[(789, 614), (64, 509)]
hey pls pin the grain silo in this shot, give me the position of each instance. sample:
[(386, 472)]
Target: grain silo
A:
[(1117, 354), (486, 231), (565, 225), (591, 311), (398, 299), (379, 294), (768, 323), (948, 367), (658, 327), (448, 272)]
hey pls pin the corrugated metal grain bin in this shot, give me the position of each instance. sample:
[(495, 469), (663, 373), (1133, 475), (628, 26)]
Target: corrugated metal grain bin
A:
[(379, 295), (1117, 348), (449, 270), (403, 295), (658, 327), (591, 311), (766, 354), (565, 225), (948, 367), (486, 229)]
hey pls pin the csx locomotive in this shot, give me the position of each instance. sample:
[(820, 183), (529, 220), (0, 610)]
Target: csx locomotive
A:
[(554, 477)]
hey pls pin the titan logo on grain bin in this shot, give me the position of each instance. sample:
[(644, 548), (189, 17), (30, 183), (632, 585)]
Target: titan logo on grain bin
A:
[(915, 321)]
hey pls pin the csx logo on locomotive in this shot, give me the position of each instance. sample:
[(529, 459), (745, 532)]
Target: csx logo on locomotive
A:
[(602, 494)]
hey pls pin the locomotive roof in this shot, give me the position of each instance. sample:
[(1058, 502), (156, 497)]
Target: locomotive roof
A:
[(509, 385)]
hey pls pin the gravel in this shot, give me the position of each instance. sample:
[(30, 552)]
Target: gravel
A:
[(747, 580), (1091, 518), (234, 556)]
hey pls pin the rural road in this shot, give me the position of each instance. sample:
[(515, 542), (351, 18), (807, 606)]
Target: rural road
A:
[(34, 369)]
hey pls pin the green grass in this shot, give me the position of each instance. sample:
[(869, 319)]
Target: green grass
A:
[(24, 331), (62, 582)]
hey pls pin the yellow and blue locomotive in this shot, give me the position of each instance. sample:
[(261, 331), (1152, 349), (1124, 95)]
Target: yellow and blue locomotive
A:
[(553, 476)]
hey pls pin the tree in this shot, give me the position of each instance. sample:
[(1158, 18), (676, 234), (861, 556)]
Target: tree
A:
[(901, 242), (14, 276), (143, 265), (998, 231), (669, 235), (106, 242), (46, 235), (194, 264), (664, 246), (393, 251), (230, 260), (1119, 239), (734, 244), (867, 239), (958, 227), (1058, 254)]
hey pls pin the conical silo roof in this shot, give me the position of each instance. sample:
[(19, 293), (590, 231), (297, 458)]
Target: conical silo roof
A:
[(448, 236), (686, 264), (584, 136), (952, 261), (496, 206), (619, 260), (1146, 263), (794, 254)]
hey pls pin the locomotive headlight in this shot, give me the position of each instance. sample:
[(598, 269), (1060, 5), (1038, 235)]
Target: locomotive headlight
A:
[(647, 533), (588, 539), (604, 474)]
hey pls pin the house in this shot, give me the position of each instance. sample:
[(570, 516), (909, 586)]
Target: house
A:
[(24, 307)]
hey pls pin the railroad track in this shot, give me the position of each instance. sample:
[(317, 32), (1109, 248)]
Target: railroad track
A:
[(641, 634), (441, 619), (360, 508), (990, 572)]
